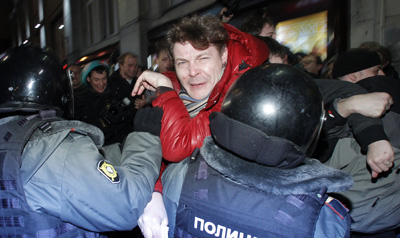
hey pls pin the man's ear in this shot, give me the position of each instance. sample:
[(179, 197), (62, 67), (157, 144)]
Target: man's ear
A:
[(88, 79), (225, 55), (285, 60), (352, 77)]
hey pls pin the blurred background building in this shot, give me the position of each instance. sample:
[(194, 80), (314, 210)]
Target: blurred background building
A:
[(83, 30)]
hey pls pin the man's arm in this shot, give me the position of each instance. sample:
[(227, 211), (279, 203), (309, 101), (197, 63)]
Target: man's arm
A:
[(151, 81), (380, 155), (78, 185), (155, 215), (362, 111), (370, 105)]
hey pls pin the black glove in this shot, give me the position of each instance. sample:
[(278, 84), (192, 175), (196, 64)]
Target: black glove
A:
[(148, 119)]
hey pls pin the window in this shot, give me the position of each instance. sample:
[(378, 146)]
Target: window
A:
[(305, 34), (101, 19)]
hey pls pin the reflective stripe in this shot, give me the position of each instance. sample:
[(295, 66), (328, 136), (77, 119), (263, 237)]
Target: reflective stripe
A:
[(2, 158), (12, 221), (7, 136), (8, 185), (13, 236), (10, 203), (55, 231), (89, 235)]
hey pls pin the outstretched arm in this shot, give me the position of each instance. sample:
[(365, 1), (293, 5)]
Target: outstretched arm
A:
[(85, 189), (380, 153), (370, 105)]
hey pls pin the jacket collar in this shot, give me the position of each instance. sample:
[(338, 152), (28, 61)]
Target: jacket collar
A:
[(309, 177)]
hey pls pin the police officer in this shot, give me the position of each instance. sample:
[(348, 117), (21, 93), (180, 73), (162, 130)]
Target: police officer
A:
[(55, 182), (252, 177)]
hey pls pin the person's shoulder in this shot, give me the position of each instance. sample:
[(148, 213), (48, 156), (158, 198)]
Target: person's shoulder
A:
[(339, 220), (80, 129), (238, 35), (246, 47), (231, 29)]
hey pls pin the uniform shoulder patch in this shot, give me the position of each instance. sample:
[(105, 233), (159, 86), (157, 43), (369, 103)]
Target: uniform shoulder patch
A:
[(108, 171), (337, 207)]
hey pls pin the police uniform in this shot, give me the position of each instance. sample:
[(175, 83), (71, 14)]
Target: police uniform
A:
[(218, 194), (69, 183)]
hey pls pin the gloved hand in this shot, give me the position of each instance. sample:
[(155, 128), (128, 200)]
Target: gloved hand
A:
[(148, 119), (154, 218)]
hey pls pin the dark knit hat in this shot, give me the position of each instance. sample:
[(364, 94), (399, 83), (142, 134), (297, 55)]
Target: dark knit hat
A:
[(355, 60)]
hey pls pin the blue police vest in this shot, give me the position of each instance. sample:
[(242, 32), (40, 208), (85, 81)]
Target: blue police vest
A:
[(17, 219), (236, 210)]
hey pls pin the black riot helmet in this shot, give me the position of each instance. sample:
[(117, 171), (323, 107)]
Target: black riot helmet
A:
[(32, 79), (279, 100)]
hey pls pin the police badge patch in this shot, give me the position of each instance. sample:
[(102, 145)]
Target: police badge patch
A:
[(108, 171)]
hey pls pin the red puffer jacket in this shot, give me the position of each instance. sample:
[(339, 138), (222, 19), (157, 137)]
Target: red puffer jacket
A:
[(180, 134)]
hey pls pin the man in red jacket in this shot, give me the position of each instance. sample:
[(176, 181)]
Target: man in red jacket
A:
[(208, 57)]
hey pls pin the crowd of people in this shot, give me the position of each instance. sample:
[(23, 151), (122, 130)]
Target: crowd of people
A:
[(230, 135)]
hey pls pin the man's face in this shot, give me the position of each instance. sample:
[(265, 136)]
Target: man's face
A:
[(164, 61), (129, 68), (98, 81), (310, 64), (369, 72), (75, 72), (268, 31), (198, 70)]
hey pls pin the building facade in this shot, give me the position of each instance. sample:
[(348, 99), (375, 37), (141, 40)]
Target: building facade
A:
[(94, 29)]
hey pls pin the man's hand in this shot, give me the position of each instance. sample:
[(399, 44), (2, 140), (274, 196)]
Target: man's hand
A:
[(140, 102), (369, 105), (380, 157), (154, 217), (150, 80), (221, 15)]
